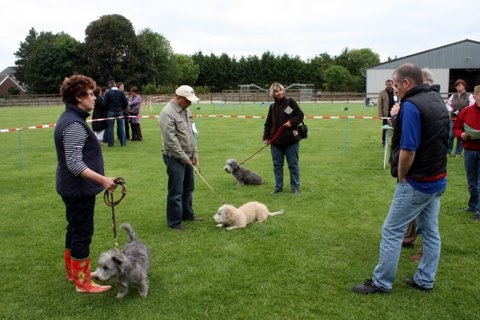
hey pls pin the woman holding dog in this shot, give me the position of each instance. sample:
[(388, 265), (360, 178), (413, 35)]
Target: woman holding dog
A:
[(80, 177), (280, 131)]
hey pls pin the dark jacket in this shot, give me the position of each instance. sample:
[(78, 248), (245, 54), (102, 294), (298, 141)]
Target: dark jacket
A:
[(115, 101), (431, 155), (69, 185), (99, 112), (281, 111)]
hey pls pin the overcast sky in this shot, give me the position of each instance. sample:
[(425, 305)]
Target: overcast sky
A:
[(302, 28)]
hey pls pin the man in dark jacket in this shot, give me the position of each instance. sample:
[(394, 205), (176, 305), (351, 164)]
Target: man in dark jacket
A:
[(116, 102), (419, 149)]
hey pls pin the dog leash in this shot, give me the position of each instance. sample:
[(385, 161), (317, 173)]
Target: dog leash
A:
[(275, 136), (108, 198), (208, 185)]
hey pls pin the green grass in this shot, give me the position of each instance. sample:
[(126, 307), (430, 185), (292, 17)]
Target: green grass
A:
[(301, 265)]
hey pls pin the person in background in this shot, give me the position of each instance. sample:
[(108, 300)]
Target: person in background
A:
[(419, 146), (180, 155), (99, 112), (115, 102), (470, 116), (386, 100), (80, 177), (126, 118), (280, 131), (134, 106), (455, 104)]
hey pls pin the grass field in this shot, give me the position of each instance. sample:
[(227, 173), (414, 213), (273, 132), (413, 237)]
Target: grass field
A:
[(301, 265)]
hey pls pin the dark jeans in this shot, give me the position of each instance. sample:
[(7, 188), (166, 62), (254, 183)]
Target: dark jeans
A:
[(180, 191), (120, 128), (136, 132), (384, 131), (451, 141), (279, 153), (472, 169), (79, 214)]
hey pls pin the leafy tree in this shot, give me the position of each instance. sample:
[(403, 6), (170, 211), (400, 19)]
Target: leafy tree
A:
[(111, 45), (24, 53), (159, 56), (185, 69), (356, 62), (337, 78), (55, 56)]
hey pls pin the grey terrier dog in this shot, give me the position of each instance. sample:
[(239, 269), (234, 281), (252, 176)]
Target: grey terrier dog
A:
[(128, 267), (242, 175)]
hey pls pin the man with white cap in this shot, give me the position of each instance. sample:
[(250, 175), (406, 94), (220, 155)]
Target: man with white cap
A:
[(179, 154)]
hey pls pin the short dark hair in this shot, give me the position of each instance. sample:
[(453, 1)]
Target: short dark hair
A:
[(409, 71), (76, 86), (460, 81)]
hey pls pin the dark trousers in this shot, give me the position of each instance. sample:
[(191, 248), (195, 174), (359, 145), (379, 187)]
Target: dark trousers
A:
[(127, 128), (136, 132), (79, 214), (180, 191)]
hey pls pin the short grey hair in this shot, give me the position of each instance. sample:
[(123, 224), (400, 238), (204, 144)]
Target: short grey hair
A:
[(275, 87), (409, 71), (427, 76)]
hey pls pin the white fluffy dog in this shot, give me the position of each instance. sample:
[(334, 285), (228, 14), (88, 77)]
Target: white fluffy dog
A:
[(234, 218)]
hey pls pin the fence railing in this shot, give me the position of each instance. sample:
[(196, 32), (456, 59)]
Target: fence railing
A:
[(226, 96)]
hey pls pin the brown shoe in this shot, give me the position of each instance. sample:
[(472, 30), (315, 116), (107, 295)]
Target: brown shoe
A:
[(416, 257)]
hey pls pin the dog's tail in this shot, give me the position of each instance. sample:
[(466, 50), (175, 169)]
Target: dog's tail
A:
[(129, 230), (281, 211)]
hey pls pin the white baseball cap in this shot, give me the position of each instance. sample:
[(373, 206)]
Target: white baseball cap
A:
[(186, 92)]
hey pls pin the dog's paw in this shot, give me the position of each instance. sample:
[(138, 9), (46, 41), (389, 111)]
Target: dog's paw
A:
[(220, 225)]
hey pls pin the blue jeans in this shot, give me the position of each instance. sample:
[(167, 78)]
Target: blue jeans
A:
[(279, 153), (451, 140), (120, 128), (180, 191), (472, 169), (409, 204)]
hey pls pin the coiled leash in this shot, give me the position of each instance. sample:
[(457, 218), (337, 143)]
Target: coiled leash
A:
[(208, 185), (108, 198), (275, 136)]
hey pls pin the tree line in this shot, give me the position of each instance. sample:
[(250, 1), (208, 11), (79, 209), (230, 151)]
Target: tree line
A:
[(112, 50)]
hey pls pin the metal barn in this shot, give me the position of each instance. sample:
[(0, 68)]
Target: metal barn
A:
[(458, 60)]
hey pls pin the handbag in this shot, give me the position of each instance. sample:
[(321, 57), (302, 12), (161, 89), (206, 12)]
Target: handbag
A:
[(302, 130)]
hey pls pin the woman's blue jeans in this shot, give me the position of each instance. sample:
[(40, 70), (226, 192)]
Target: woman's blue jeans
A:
[(290, 152)]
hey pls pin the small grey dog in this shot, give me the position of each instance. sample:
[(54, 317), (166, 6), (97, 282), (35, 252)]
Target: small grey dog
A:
[(128, 267), (242, 175)]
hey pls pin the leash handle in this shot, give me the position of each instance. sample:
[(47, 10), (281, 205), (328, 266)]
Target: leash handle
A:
[(275, 136), (108, 199)]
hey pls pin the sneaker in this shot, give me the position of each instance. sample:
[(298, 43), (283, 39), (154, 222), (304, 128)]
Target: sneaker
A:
[(295, 191), (469, 209), (368, 287), (276, 190), (413, 284)]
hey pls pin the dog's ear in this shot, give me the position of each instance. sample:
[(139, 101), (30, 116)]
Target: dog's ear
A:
[(228, 213), (118, 260)]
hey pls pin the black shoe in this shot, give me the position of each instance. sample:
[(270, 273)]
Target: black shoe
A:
[(368, 287), (295, 191), (413, 284), (276, 190), (476, 217), (468, 209), (179, 228)]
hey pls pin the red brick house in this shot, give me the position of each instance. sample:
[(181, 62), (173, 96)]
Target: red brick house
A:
[(7, 81)]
